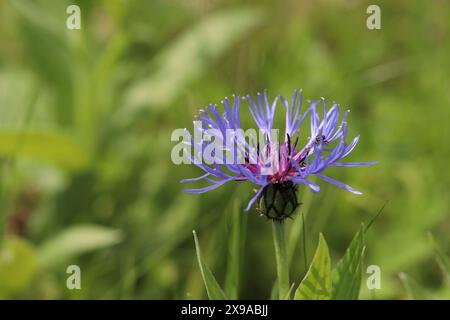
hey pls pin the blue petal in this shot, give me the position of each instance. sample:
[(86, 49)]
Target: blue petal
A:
[(206, 189), (195, 179), (350, 147), (339, 184), (255, 197), (314, 187), (353, 164)]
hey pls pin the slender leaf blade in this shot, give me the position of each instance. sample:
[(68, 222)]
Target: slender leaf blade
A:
[(213, 289), (234, 249)]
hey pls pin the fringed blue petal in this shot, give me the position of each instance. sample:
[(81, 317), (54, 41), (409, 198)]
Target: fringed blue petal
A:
[(339, 184)]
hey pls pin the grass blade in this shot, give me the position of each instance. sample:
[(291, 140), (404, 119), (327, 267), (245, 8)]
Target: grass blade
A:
[(212, 287), (234, 252)]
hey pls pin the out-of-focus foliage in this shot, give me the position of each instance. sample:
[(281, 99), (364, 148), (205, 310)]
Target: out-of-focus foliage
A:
[(85, 123)]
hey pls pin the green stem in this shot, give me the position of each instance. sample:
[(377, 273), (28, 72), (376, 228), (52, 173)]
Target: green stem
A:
[(279, 240)]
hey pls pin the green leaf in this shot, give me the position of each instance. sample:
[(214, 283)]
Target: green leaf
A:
[(18, 265), (50, 147), (212, 287), (348, 272), (189, 55), (316, 285), (75, 241), (234, 251)]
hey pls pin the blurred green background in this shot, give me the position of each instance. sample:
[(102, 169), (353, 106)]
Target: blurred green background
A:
[(85, 123)]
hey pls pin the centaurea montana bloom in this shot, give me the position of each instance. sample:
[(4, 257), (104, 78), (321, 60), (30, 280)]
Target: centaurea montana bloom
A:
[(325, 147)]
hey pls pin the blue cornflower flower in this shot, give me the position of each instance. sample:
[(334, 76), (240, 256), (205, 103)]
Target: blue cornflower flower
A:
[(276, 167)]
